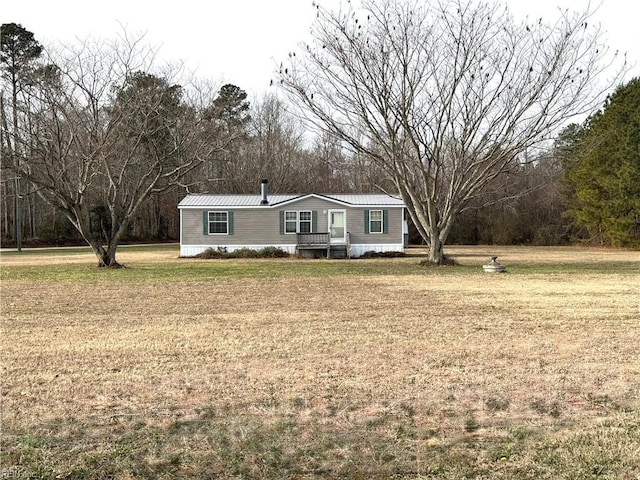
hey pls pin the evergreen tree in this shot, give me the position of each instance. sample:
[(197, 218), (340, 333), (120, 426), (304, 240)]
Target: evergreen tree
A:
[(602, 179), (19, 52)]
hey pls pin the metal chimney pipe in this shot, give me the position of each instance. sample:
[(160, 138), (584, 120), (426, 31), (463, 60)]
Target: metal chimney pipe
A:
[(265, 192)]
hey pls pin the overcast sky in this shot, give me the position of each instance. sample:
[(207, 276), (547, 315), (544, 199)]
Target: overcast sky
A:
[(241, 41)]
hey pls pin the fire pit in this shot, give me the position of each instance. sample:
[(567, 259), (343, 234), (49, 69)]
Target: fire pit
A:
[(494, 266)]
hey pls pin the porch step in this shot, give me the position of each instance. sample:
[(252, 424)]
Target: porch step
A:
[(338, 251)]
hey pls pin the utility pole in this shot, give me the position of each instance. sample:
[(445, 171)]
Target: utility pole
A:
[(17, 196), (17, 219)]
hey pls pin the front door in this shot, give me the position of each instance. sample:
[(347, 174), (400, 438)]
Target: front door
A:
[(337, 226)]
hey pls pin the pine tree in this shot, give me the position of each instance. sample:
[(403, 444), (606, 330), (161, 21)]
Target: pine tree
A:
[(602, 176)]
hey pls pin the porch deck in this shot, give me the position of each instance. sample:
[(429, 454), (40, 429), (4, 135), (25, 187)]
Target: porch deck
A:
[(321, 241)]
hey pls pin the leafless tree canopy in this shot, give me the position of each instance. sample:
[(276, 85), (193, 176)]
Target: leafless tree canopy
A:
[(445, 95), (102, 130)]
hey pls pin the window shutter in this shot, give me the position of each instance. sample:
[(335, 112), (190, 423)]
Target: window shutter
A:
[(366, 221), (281, 222), (205, 223), (314, 221), (230, 223), (385, 221)]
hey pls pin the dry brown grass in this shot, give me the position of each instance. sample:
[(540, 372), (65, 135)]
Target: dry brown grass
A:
[(453, 357)]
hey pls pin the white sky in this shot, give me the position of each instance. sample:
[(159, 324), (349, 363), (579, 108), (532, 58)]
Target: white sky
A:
[(242, 41)]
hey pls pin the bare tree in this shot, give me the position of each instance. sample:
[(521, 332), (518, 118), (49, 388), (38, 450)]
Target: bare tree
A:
[(329, 165), (276, 148), (105, 135), (445, 95), (271, 148)]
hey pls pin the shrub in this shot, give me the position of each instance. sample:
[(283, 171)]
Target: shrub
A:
[(273, 252), (221, 253), (243, 253), (210, 253), (374, 254)]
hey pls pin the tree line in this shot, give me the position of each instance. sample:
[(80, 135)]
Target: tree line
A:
[(99, 142)]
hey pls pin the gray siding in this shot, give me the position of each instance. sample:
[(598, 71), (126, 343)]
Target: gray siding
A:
[(356, 227), (261, 225), (250, 227)]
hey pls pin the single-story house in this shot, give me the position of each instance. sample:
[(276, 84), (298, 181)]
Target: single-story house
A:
[(336, 225)]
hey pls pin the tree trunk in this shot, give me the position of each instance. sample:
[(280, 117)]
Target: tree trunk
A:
[(436, 251), (425, 219), (106, 256)]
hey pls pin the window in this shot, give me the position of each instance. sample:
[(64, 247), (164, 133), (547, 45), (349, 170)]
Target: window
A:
[(304, 225), (297, 221), (290, 222), (218, 223), (375, 221)]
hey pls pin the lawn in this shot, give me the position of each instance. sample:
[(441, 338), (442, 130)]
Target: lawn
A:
[(378, 368)]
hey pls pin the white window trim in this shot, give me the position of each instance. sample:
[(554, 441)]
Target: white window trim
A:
[(381, 222), (210, 222), (298, 221), (310, 221), (290, 221)]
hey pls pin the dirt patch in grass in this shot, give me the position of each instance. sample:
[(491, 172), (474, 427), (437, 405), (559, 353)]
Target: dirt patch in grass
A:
[(460, 374)]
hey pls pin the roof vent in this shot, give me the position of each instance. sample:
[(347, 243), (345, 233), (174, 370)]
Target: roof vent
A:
[(265, 193)]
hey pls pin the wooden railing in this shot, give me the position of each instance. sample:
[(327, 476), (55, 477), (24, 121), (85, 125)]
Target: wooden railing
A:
[(322, 241), (312, 241)]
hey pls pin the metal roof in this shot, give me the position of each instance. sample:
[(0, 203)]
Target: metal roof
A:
[(249, 201), (207, 200)]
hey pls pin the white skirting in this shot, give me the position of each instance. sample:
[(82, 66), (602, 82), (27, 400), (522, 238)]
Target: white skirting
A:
[(357, 249), (193, 250)]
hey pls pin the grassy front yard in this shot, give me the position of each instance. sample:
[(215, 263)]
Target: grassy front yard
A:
[(381, 368)]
